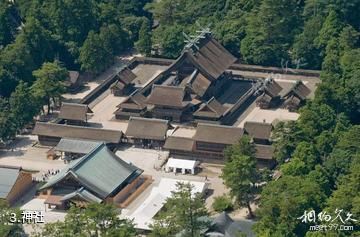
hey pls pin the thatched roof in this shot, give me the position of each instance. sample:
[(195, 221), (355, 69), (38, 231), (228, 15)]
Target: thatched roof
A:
[(272, 88), (179, 143), (258, 130), (126, 76), (69, 131), (74, 111), (211, 108), (200, 84), (299, 90), (265, 152), (134, 101), (172, 96), (145, 128), (220, 134)]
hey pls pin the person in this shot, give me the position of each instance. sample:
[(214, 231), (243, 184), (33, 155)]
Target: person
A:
[(206, 178)]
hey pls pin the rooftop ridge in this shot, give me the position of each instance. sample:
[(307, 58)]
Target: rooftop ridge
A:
[(217, 125), (149, 119), (87, 156)]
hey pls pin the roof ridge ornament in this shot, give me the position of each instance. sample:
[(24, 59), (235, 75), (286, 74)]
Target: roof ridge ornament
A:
[(193, 41)]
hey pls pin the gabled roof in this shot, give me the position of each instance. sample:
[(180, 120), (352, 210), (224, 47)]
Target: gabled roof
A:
[(8, 177), (179, 143), (134, 101), (299, 90), (208, 56), (272, 88), (79, 146), (73, 76), (82, 193), (264, 98), (146, 128), (167, 96), (258, 130), (73, 111), (224, 226), (118, 85), (79, 132), (220, 134), (265, 152), (101, 172), (212, 58), (292, 101), (211, 108), (126, 76), (222, 222), (200, 84)]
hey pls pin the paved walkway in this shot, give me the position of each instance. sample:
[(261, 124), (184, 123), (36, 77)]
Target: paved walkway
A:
[(23, 152)]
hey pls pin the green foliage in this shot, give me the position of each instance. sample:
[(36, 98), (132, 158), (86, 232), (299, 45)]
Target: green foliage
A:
[(170, 39), (7, 123), (330, 29), (8, 229), (285, 137), (94, 56), (240, 174), (346, 197), (94, 220), (222, 203), (304, 47), (270, 32), (315, 118), (49, 83), (143, 45), (22, 104), (243, 147), (184, 213), (6, 26), (283, 201)]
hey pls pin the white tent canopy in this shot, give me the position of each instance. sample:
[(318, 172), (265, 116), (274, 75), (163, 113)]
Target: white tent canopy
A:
[(184, 165)]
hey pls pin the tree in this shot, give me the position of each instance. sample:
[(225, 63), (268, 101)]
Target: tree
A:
[(6, 28), (49, 83), (315, 118), (330, 29), (38, 41), (94, 220), (240, 175), (270, 31), (7, 228), (171, 40), (184, 213), (242, 147), (94, 56), (143, 45), (304, 47), (22, 104), (7, 121), (222, 203), (346, 197), (286, 135), (283, 201), (114, 39)]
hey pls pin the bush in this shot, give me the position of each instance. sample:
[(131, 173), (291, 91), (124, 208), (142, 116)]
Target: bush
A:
[(222, 203)]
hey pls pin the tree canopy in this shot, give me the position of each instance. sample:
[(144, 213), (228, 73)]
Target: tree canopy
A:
[(94, 220), (184, 214)]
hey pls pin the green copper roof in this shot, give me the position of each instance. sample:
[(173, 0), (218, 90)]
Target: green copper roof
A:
[(83, 194), (8, 177), (100, 172)]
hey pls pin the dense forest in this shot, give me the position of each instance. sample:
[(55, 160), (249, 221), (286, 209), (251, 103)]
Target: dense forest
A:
[(318, 155)]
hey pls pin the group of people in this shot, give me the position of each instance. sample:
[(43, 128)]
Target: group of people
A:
[(46, 175)]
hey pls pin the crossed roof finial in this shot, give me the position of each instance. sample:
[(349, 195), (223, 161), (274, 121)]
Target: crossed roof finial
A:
[(192, 41)]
